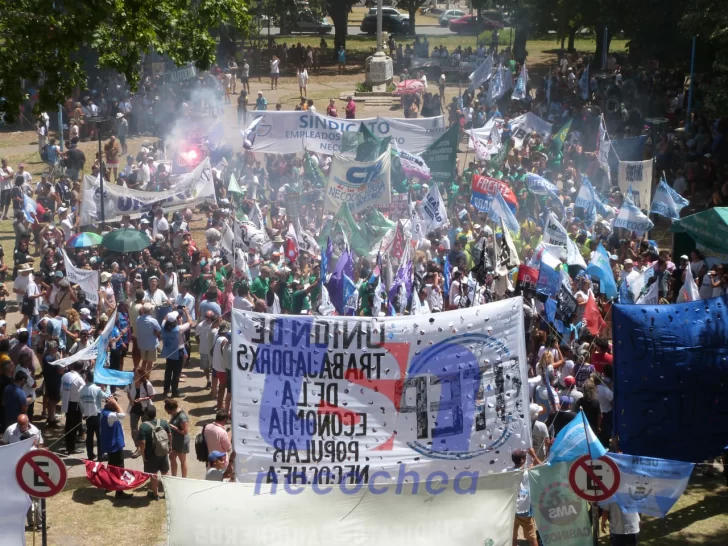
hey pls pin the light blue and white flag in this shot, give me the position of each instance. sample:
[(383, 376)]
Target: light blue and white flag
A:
[(499, 209), (575, 440), (631, 217), (351, 299), (496, 89), (585, 200), (482, 73), (584, 83), (649, 486), (549, 280), (667, 202), (30, 208), (519, 91), (539, 185), (600, 268), (640, 282)]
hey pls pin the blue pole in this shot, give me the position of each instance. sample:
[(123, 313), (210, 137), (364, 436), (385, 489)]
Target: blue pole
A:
[(690, 89)]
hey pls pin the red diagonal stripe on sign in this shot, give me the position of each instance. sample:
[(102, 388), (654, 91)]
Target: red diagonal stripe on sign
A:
[(42, 475)]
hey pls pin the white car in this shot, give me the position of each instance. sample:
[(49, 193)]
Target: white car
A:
[(450, 14), (390, 11)]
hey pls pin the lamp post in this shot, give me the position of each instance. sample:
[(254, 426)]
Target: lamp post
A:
[(98, 120), (380, 5)]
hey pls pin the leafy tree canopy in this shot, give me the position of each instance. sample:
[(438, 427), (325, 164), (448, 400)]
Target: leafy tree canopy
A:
[(43, 42)]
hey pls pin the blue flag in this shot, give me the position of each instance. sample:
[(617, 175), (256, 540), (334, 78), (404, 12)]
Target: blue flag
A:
[(599, 267), (326, 258), (499, 209), (550, 309), (446, 273), (549, 280), (571, 442), (350, 296), (336, 282), (401, 287), (667, 202), (649, 486)]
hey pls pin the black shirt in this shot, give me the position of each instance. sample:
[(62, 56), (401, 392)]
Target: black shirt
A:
[(76, 158), (592, 410)]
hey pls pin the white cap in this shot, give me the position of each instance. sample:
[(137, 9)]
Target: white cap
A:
[(172, 316)]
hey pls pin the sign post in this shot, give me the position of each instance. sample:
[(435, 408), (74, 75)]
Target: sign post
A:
[(41, 474), (594, 480)]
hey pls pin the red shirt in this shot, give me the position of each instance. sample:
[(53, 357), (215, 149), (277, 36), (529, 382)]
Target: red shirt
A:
[(350, 110), (600, 359)]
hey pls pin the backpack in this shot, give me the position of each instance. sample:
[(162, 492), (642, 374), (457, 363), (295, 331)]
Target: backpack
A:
[(201, 450), (160, 439), (44, 152)]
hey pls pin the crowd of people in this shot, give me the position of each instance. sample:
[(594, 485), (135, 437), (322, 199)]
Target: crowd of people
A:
[(172, 302)]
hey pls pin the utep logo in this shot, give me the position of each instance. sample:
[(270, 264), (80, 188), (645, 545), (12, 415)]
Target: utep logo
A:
[(361, 176)]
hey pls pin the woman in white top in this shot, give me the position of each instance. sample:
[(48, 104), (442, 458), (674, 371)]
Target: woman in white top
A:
[(706, 287), (274, 72), (302, 80), (140, 393)]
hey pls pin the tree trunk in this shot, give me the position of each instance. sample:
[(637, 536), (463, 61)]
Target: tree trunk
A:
[(412, 17), (563, 41), (572, 37), (339, 12)]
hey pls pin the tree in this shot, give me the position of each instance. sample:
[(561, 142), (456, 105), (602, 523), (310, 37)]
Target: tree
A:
[(46, 46), (339, 10), (411, 6)]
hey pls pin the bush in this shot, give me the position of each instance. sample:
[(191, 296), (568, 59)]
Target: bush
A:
[(362, 87), (503, 38)]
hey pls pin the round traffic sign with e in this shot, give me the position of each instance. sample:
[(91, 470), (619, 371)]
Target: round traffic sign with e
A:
[(594, 480), (41, 473)]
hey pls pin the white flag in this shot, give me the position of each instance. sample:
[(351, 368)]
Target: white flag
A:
[(603, 146), (306, 241), (482, 73), (667, 202), (630, 217), (689, 290), (481, 152), (651, 297), (433, 210), (87, 279), (495, 140)]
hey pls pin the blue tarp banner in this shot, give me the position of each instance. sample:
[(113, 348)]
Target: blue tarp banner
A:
[(671, 366)]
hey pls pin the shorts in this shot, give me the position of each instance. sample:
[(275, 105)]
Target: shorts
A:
[(229, 382), (275, 75), (149, 355), (221, 377), (152, 465), (136, 353), (5, 197), (205, 362), (527, 523), (244, 80)]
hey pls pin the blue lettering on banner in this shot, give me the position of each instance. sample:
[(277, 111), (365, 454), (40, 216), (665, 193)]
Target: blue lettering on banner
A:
[(481, 201), (358, 176)]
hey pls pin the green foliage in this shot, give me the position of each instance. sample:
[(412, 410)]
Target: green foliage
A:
[(503, 37), (46, 44), (362, 87), (411, 7)]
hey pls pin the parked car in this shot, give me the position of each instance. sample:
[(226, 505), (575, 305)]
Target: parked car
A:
[(470, 24), (450, 14), (308, 22), (389, 11), (390, 23)]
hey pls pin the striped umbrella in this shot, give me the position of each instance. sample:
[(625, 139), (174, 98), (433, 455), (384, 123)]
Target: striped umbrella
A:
[(83, 240)]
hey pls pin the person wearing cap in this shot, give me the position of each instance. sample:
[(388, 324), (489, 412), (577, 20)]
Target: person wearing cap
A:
[(173, 349), (155, 295), (148, 333), (539, 436), (215, 466), (106, 293)]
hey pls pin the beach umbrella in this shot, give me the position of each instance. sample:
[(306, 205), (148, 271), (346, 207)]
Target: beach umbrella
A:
[(83, 240), (409, 87), (126, 240)]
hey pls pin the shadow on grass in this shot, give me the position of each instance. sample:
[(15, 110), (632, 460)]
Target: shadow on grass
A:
[(200, 411), (92, 495)]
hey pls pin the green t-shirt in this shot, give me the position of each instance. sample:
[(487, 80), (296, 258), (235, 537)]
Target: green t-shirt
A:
[(300, 302), (145, 435), (259, 287)]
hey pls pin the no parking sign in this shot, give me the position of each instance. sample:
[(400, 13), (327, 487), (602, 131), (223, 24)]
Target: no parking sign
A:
[(594, 480)]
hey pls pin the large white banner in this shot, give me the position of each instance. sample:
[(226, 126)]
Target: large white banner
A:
[(290, 132), (361, 184), (527, 124), (14, 502), (87, 279), (344, 399), (190, 189), (433, 211), (466, 513), (637, 174), (555, 234)]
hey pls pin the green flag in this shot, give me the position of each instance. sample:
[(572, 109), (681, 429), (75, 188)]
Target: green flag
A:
[(499, 159), (360, 239), (233, 186), (560, 138), (559, 512), (378, 220), (371, 146), (350, 141), (441, 155), (312, 172)]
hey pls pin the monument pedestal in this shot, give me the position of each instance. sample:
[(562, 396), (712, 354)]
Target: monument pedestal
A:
[(379, 71)]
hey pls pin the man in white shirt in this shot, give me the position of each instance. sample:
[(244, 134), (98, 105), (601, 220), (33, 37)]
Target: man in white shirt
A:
[(186, 299), (160, 226), (71, 385), (22, 430), (155, 295), (27, 177), (91, 401), (66, 222)]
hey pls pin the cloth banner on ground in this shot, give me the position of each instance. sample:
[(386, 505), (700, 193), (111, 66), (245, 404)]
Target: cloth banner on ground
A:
[(433, 210), (527, 124), (114, 478), (575, 440), (631, 217), (484, 189), (638, 175), (562, 517), (189, 190), (649, 486), (441, 155), (14, 502), (398, 386), (360, 184), (293, 132), (201, 512), (671, 398), (667, 202), (87, 279)]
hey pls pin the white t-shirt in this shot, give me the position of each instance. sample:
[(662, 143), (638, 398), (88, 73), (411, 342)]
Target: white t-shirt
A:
[(159, 298), (706, 290), (242, 303), (33, 290), (605, 396), (217, 358), (6, 178), (160, 225), (274, 66), (12, 434), (302, 78), (67, 227)]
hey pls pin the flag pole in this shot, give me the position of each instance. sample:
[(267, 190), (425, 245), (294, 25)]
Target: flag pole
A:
[(594, 507)]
